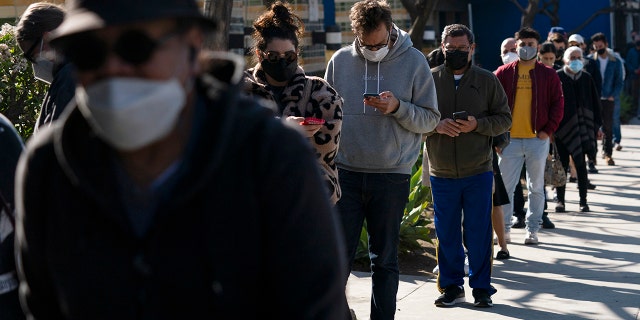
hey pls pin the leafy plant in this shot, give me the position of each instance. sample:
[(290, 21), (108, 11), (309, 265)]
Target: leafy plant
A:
[(627, 111), (413, 226), (20, 93)]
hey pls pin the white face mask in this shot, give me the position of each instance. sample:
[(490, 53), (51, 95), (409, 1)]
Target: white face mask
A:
[(509, 57), (130, 113), (377, 55), (43, 68)]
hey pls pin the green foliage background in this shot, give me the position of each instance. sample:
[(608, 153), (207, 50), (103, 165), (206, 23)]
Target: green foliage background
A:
[(20, 93)]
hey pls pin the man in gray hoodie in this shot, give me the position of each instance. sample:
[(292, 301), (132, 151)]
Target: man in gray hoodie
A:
[(389, 103)]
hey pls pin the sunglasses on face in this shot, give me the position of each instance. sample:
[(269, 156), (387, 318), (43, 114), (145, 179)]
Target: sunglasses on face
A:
[(274, 56), (29, 53), (88, 52)]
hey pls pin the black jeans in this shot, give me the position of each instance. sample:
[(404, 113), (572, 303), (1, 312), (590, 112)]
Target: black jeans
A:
[(607, 126)]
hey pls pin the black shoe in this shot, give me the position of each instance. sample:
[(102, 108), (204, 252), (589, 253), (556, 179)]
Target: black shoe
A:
[(482, 299), (584, 208), (573, 179), (591, 186), (559, 207), (502, 255), (451, 296), (546, 223), (592, 167), (519, 224)]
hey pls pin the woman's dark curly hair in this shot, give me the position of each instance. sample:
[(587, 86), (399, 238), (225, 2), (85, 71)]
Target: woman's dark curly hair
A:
[(279, 22)]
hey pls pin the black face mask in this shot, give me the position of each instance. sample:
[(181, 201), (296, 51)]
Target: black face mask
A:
[(559, 53), (602, 51), (280, 70), (456, 59)]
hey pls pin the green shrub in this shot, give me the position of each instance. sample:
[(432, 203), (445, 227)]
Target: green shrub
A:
[(20, 93), (627, 111)]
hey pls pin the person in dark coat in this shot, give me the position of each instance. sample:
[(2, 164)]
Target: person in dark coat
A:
[(11, 147), (576, 136), (163, 192), (32, 32)]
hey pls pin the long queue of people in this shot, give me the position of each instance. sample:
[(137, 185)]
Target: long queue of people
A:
[(166, 181)]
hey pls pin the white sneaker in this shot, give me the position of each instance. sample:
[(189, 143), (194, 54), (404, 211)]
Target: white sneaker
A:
[(436, 269), (532, 238)]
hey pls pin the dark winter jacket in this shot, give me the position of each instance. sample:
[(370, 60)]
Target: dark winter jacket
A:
[(59, 94), (581, 120), (240, 231), (481, 95), (547, 103), (11, 147)]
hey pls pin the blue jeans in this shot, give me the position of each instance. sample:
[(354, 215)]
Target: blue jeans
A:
[(380, 199), (453, 198), (532, 152)]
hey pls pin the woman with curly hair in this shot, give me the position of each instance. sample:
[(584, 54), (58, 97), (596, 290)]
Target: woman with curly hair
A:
[(295, 96)]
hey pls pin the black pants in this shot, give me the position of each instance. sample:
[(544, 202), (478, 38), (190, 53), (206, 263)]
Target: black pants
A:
[(607, 126)]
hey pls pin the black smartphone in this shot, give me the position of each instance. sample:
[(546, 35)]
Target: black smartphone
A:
[(462, 115), (370, 95)]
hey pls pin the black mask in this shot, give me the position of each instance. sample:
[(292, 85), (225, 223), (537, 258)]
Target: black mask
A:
[(559, 53), (456, 59), (280, 71), (602, 51)]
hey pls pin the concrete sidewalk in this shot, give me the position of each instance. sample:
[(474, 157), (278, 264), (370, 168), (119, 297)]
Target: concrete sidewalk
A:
[(588, 267)]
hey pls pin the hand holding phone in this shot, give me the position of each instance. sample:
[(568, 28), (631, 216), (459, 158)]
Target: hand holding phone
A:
[(460, 115), (371, 95), (312, 120)]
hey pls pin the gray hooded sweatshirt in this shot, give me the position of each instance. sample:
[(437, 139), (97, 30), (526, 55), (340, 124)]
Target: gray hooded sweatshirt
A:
[(370, 140)]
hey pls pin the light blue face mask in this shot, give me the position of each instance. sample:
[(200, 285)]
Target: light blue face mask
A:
[(576, 65)]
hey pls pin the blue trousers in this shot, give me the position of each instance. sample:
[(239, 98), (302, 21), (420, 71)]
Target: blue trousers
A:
[(463, 216), (379, 199)]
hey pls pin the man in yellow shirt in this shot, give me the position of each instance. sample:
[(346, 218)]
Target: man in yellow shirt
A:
[(535, 98)]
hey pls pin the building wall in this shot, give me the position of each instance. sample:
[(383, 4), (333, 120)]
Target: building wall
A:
[(15, 8)]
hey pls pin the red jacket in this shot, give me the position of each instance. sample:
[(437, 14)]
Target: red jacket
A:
[(547, 104)]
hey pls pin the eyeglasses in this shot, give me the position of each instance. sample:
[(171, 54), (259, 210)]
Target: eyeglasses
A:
[(88, 52), (29, 53), (374, 47), (274, 56), (459, 48)]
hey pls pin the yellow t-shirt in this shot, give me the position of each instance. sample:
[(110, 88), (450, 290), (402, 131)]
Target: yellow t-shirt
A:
[(521, 116)]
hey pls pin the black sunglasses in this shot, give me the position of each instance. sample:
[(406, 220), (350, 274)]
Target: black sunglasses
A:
[(274, 56), (88, 52), (27, 54)]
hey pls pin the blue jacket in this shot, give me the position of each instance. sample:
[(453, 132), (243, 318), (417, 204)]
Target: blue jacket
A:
[(612, 79)]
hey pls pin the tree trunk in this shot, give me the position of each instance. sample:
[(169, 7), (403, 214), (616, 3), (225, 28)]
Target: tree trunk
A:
[(425, 9), (220, 10), (529, 14)]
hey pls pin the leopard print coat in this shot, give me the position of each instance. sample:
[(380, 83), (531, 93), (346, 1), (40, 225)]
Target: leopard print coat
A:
[(324, 102)]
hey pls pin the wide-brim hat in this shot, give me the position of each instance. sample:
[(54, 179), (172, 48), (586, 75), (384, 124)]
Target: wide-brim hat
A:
[(87, 15)]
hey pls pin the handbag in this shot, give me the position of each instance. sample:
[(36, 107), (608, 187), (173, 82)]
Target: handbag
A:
[(554, 173)]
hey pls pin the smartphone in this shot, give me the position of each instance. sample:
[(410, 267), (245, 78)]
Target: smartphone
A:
[(462, 115), (312, 120), (370, 95)]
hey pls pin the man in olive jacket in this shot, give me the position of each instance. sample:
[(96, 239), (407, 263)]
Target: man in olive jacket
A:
[(460, 156)]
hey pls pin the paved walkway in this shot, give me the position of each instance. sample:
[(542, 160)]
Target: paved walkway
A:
[(588, 267)]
